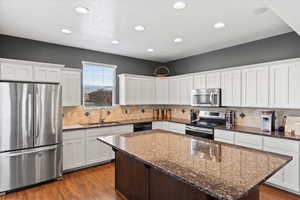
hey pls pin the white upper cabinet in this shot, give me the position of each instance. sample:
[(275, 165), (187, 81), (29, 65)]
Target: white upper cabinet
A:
[(231, 88), (174, 91), (136, 90), (147, 91), (213, 80), (199, 81), (185, 89), (255, 87), (20, 70), (161, 88), (284, 85), (47, 74), (71, 87), (16, 72)]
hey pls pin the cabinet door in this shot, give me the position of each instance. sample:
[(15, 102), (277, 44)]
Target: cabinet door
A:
[(255, 87), (161, 88), (132, 91), (147, 91), (231, 88), (73, 149), (46, 74), (288, 177), (294, 83), (279, 84), (18, 72), (97, 151), (185, 89), (174, 91), (71, 88), (213, 80), (200, 81)]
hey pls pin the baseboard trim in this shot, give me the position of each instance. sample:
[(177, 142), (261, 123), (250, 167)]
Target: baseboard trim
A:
[(87, 166)]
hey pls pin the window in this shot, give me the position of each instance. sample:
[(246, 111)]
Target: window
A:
[(99, 85)]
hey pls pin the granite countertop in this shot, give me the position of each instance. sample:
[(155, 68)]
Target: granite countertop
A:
[(118, 123), (258, 131), (221, 170)]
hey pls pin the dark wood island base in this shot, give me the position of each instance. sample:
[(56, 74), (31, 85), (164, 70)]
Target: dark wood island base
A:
[(136, 180)]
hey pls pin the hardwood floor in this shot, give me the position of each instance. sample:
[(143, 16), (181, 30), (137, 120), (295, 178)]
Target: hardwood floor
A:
[(97, 183)]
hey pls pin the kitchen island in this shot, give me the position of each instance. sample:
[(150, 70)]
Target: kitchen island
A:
[(161, 165)]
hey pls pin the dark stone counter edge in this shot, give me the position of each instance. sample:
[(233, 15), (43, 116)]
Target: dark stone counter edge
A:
[(254, 131), (189, 183), (127, 123), (274, 134)]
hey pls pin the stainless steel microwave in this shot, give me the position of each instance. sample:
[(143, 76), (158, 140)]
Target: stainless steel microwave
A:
[(206, 97)]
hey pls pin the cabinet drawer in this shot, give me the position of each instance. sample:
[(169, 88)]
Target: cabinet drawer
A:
[(99, 131), (226, 135), (176, 126), (122, 129), (223, 140), (73, 134), (159, 125), (249, 145), (245, 138), (282, 144)]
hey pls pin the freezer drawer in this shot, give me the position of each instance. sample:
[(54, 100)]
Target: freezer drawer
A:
[(16, 116), (48, 114), (27, 167)]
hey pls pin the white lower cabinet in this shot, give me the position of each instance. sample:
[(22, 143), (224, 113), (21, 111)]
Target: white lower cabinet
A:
[(97, 151), (73, 149), (224, 136), (81, 147), (176, 127), (288, 178), (249, 140), (169, 126)]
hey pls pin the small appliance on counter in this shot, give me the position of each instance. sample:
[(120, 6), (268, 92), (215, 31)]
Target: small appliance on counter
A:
[(230, 119), (268, 121)]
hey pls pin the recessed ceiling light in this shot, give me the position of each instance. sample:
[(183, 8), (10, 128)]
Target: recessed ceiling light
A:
[(66, 31), (219, 25), (139, 28), (260, 11), (82, 10), (115, 42), (179, 5), (150, 50), (178, 40)]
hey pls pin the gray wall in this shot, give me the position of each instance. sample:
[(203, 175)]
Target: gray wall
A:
[(24, 49), (280, 47)]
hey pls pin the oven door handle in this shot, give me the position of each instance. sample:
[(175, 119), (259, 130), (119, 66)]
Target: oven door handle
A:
[(199, 130)]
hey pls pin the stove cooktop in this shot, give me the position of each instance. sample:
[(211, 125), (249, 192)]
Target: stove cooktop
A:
[(207, 124)]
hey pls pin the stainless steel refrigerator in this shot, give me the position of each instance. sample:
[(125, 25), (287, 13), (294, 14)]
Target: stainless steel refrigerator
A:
[(30, 134)]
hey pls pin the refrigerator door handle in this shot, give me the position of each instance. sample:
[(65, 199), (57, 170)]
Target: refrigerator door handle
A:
[(24, 152), (37, 115), (29, 114)]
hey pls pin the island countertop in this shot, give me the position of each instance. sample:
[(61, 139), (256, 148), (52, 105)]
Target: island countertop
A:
[(223, 171)]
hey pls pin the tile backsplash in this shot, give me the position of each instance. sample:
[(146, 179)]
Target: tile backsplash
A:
[(79, 115)]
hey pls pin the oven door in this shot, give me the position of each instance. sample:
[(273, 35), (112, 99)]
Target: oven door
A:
[(200, 132)]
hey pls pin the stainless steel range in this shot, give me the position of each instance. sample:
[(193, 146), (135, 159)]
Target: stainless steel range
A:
[(30, 134), (204, 127)]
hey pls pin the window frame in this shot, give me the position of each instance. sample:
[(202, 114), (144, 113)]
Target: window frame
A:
[(114, 84)]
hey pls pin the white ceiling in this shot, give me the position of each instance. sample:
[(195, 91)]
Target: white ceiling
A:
[(114, 19)]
